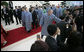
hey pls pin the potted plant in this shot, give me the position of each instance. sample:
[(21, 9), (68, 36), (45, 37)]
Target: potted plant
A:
[(4, 3)]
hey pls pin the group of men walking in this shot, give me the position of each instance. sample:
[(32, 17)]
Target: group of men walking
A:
[(8, 12), (30, 18)]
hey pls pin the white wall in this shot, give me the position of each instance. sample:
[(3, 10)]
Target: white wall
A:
[(74, 3), (55, 2), (27, 3)]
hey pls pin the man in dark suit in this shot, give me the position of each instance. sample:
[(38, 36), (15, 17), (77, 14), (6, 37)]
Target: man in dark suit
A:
[(62, 27), (10, 14), (11, 4), (5, 13), (51, 40), (34, 17), (66, 15), (30, 8), (65, 28), (16, 14), (19, 13)]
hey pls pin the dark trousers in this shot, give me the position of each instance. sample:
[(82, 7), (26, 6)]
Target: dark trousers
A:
[(17, 19), (7, 20), (35, 23), (11, 19)]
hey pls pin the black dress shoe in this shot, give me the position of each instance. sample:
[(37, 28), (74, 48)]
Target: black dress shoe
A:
[(33, 28), (29, 31), (36, 27), (25, 28), (9, 23), (6, 25), (13, 22)]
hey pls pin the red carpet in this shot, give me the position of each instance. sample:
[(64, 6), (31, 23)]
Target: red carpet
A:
[(19, 34)]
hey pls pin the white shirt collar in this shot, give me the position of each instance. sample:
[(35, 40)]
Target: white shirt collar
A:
[(54, 37)]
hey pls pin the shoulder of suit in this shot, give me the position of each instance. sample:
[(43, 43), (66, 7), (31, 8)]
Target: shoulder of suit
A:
[(49, 36)]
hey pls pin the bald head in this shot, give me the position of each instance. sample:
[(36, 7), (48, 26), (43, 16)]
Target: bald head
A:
[(26, 9), (50, 11)]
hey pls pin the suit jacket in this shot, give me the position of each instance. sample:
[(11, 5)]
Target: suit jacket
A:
[(19, 11), (30, 10), (6, 12), (52, 43), (34, 15), (10, 12), (62, 26), (15, 13)]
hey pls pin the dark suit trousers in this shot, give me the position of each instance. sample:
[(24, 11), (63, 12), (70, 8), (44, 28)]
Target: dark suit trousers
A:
[(11, 18), (19, 17), (7, 20), (35, 23), (16, 17)]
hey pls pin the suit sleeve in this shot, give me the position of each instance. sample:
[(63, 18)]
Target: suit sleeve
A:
[(35, 14)]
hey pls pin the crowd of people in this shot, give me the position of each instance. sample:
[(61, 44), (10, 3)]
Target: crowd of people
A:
[(65, 34)]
